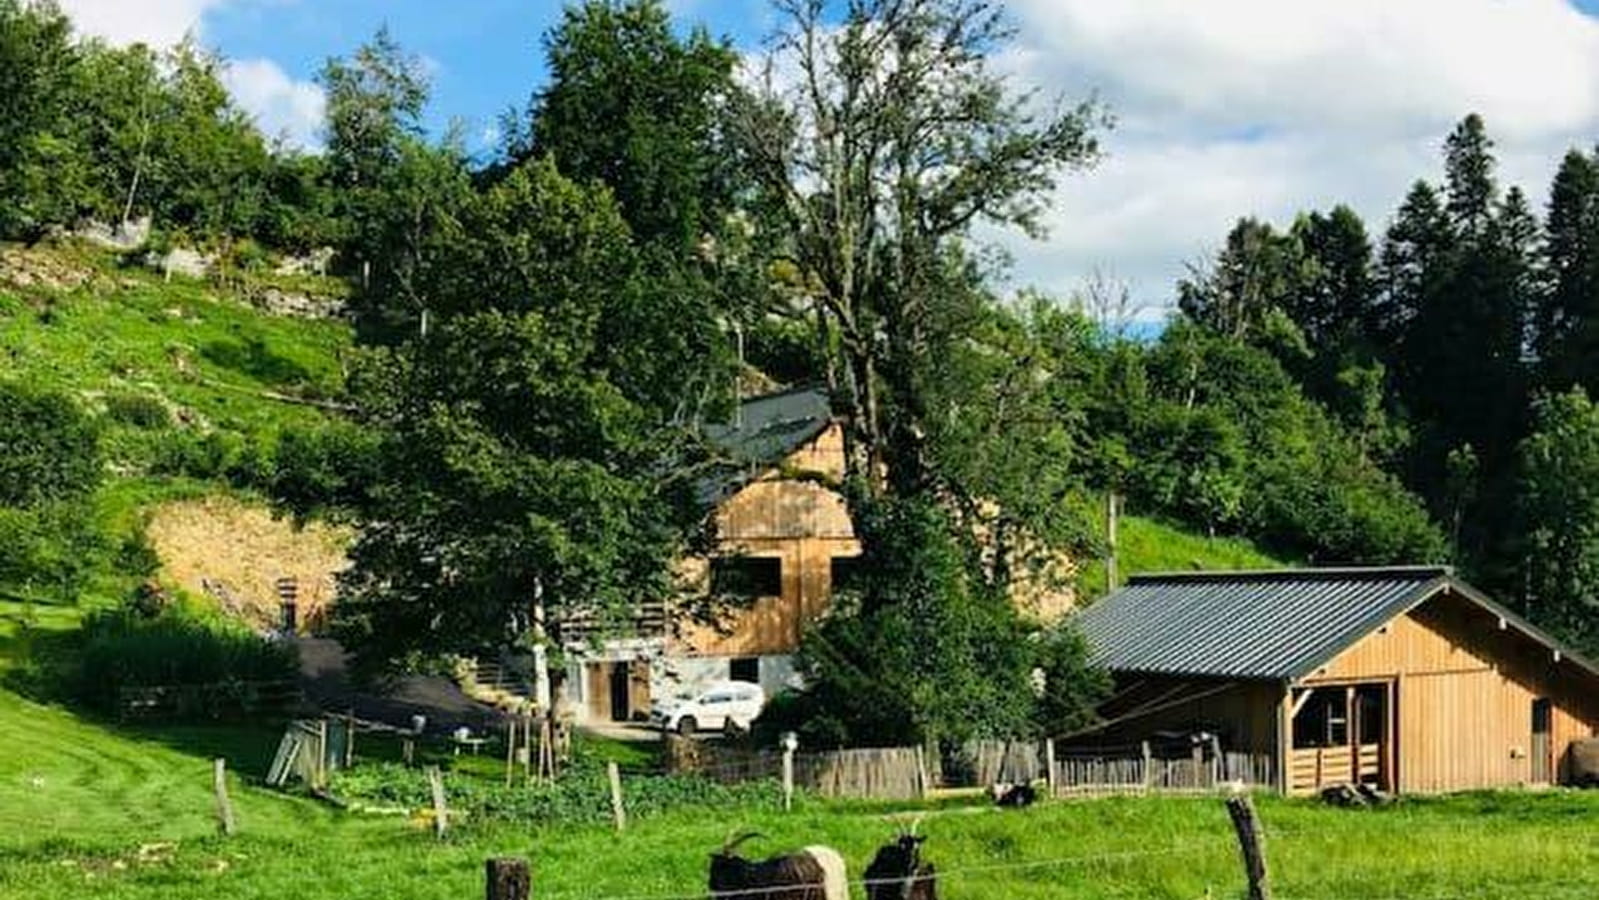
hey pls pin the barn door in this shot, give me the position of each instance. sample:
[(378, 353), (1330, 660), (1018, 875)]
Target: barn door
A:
[(621, 692), (1542, 758)]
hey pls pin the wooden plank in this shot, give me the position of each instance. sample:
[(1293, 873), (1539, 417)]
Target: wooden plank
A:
[(618, 811), (219, 784), (441, 813), (1247, 826)]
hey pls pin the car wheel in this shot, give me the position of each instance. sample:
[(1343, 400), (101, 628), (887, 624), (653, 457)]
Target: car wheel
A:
[(686, 726)]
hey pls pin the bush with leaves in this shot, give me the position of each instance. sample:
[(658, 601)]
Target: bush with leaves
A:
[(125, 648), (924, 653), (581, 795)]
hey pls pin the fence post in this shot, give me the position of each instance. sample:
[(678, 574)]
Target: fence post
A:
[(1149, 768), (1242, 811), (790, 742), (322, 752), (349, 738), (219, 782), (1049, 765), (1218, 763), (618, 812), (441, 813), (507, 878)]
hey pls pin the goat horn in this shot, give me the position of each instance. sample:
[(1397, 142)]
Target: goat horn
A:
[(734, 839)]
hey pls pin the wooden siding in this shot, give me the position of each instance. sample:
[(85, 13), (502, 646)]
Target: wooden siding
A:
[(1242, 714), (801, 523), (1465, 689)]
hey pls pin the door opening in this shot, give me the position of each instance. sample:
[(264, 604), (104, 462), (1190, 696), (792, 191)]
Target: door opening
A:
[(1542, 759), (621, 695)]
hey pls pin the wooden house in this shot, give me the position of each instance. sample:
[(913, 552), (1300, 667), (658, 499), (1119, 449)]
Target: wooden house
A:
[(784, 540), (1406, 679)]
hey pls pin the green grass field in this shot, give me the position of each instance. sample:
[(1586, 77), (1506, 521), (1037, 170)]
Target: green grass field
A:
[(90, 810), (1150, 545)]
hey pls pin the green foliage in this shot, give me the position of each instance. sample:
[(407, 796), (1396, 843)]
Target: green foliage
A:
[(632, 105), (527, 441), (1144, 544), (138, 410), (36, 57), (325, 471), (580, 797), (1558, 507), (49, 447), (121, 648), (50, 550), (925, 653)]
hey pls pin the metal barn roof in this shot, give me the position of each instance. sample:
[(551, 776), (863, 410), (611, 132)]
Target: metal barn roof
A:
[(1274, 624), (1280, 624), (768, 429)]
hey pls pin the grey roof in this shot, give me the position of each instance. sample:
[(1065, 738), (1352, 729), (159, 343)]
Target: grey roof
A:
[(767, 429), (1273, 625)]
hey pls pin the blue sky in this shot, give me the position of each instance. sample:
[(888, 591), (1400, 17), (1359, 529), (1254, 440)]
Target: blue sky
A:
[(1224, 108), (484, 55)]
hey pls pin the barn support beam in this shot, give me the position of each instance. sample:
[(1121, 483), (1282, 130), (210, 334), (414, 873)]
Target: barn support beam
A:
[(1285, 739)]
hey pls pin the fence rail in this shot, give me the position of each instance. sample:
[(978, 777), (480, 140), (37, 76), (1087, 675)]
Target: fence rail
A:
[(215, 701), (900, 773)]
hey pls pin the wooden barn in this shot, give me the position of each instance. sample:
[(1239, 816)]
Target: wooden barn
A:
[(1406, 679), (784, 540)]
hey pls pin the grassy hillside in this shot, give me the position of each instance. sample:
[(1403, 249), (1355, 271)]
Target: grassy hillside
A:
[(213, 361), (192, 383), (1150, 545)]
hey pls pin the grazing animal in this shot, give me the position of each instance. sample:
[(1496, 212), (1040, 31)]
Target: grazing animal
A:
[(1015, 795), (898, 873), (815, 873)]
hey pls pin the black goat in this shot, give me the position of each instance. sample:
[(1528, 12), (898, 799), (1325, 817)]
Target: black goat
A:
[(815, 873), (898, 873), (1015, 795)]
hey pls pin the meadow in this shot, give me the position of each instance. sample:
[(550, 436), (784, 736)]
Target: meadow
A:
[(89, 809)]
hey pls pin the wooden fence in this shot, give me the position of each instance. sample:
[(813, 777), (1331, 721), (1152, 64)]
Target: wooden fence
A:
[(882, 773), (224, 700), (902, 773), (1143, 769)]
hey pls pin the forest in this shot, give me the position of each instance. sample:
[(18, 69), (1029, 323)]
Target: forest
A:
[(541, 333)]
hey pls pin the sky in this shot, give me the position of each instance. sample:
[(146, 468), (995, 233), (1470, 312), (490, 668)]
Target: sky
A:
[(1223, 108)]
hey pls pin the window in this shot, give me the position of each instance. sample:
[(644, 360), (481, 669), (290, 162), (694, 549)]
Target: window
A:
[(746, 669), (1323, 722), (747, 576), (846, 572)]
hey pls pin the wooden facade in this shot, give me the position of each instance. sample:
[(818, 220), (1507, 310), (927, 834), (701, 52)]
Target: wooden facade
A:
[(789, 515), (1473, 702), (1450, 695)]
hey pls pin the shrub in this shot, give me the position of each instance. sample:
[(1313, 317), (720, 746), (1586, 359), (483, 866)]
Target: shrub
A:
[(580, 795), (328, 468), (49, 448), (137, 410), (123, 648)]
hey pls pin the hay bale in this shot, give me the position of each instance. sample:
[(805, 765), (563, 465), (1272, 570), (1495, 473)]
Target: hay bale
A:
[(1585, 762)]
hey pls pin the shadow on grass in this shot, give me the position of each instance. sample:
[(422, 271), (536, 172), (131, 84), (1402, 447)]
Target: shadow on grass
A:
[(42, 665), (254, 358)]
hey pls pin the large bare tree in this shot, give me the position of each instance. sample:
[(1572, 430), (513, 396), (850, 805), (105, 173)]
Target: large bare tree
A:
[(880, 134)]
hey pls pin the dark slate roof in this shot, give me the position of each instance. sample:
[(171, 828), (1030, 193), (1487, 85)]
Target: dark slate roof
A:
[(1274, 624), (767, 429)]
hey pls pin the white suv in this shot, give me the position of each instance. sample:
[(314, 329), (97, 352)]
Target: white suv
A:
[(712, 709)]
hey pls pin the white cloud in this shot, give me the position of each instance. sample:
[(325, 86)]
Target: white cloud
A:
[(282, 106), (1231, 108), (159, 23)]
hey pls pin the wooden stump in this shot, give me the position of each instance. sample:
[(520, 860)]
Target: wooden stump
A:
[(507, 879), (1242, 811)]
